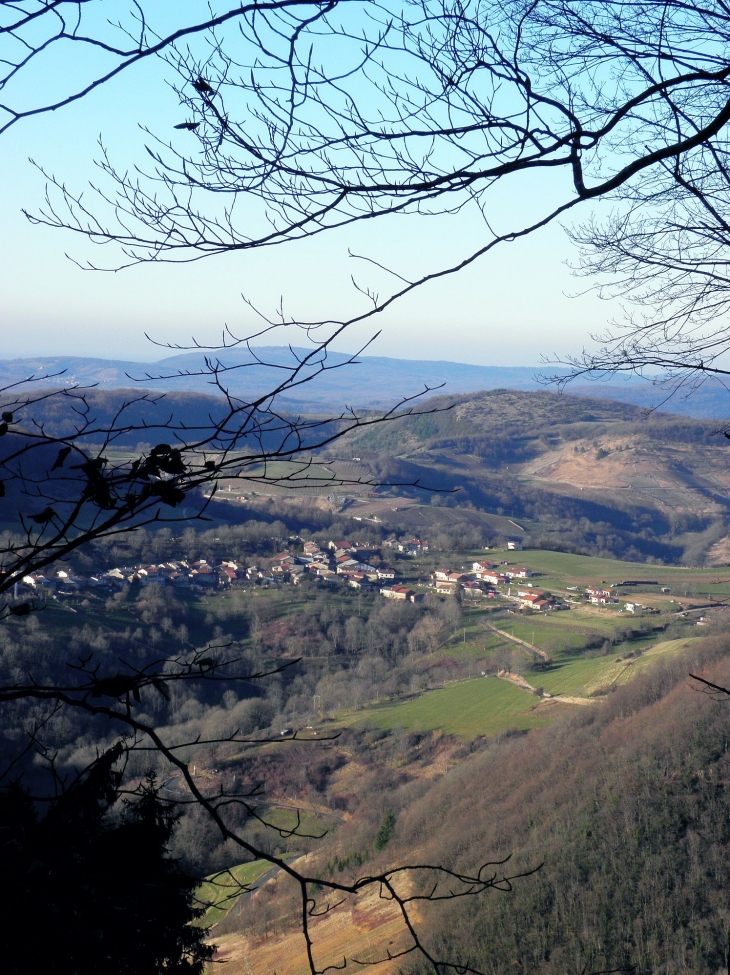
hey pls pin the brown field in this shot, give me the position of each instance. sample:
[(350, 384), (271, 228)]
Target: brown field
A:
[(719, 554), (362, 931), (670, 476)]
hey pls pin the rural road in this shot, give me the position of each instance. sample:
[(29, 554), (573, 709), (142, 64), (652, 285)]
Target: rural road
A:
[(243, 899), (515, 639)]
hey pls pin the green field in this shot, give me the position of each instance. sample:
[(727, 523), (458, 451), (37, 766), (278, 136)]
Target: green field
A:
[(569, 630), (489, 706), (557, 570), (558, 633), (288, 819), (483, 706), (221, 890), (582, 676), (561, 569)]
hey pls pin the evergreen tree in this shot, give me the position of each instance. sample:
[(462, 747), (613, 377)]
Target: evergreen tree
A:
[(386, 831), (95, 884)]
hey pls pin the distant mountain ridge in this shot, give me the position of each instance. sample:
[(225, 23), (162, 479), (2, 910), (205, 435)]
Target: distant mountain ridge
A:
[(372, 381)]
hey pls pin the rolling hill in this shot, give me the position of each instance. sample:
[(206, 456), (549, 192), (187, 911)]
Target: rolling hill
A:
[(590, 475), (373, 381), (622, 478)]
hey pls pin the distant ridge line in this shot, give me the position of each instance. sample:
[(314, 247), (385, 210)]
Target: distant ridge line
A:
[(374, 381)]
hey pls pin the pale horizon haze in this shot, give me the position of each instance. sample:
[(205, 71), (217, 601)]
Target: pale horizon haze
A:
[(510, 308)]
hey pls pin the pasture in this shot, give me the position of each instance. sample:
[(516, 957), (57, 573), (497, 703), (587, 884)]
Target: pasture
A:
[(572, 631), (561, 569), (468, 708), (490, 706), (583, 676), (221, 890)]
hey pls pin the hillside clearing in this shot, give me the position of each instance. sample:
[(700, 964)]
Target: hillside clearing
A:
[(221, 890), (365, 928), (490, 706), (468, 708)]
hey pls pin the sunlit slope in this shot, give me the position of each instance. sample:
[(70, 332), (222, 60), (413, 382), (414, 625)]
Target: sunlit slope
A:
[(654, 482), (651, 470), (492, 705), (362, 930)]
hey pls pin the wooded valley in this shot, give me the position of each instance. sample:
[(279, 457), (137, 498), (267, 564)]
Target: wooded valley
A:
[(457, 728)]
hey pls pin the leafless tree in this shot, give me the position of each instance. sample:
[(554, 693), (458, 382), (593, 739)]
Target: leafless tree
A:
[(665, 250), (65, 480), (297, 118), (122, 699)]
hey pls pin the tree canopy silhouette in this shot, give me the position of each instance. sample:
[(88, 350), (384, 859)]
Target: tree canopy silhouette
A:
[(99, 880)]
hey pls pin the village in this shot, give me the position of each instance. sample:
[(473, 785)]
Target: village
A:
[(337, 562)]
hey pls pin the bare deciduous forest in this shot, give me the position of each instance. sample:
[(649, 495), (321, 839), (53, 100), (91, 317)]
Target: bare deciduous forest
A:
[(433, 684)]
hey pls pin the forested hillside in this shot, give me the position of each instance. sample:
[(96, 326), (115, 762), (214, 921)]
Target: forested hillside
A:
[(592, 476), (621, 809), (584, 475), (627, 809)]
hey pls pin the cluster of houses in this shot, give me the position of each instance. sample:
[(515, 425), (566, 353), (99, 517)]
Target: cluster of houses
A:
[(360, 565), (488, 579), (410, 546), (402, 593), (482, 580), (179, 573), (539, 601), (600, 597), (343, 559)]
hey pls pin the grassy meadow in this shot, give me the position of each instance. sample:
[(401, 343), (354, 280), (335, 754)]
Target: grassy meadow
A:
[(221, 890), (561, 569), (490, 705), (481, 706)]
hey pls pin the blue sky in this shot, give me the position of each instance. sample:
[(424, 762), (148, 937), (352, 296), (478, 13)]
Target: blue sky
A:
[(508, 309)]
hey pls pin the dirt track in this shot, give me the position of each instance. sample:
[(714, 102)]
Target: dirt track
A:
[(515, 639)]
